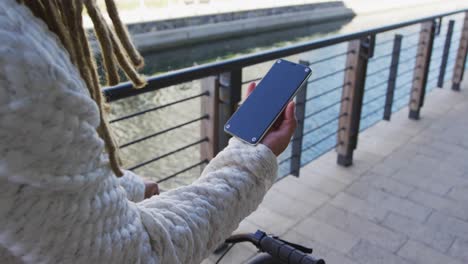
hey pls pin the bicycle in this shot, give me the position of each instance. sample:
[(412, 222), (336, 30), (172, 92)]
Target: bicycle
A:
[(275, 250)]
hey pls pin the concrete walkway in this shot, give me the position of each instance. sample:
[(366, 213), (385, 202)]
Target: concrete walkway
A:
[(404, 201)]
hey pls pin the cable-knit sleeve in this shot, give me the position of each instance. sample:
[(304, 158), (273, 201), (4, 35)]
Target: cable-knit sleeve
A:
[(133, 186), (59, 200), (187, 223)]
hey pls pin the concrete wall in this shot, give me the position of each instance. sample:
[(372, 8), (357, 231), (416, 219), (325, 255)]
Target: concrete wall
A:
[(155, 36)]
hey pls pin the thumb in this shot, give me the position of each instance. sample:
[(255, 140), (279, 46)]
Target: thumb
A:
[(250, 88)]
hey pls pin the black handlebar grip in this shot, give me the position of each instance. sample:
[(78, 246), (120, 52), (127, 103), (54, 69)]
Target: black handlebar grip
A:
[(286, 253)]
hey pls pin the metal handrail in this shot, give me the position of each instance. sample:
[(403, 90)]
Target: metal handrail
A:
[(126, 89), (228, 84)]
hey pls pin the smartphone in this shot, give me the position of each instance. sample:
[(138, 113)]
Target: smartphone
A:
[(265, 104)]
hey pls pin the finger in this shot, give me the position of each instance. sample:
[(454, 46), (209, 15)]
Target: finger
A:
[(151, 188), (278, 121), (290, 123), (250, 88), (282, 116), (289, 112)]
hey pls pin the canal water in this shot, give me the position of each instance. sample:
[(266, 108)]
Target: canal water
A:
[(320, 137)]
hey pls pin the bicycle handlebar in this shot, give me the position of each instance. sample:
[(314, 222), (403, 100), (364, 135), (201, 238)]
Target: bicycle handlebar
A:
[(279, 249), (286, 253)]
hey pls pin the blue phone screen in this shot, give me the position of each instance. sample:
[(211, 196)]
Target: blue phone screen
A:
[(271, 95)]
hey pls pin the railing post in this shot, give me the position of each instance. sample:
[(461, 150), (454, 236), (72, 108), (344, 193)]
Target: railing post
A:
[(351, 106), (460, 60), (209, 127), (443, 63), (230, 89), (392, 77), (426, 38), (298, 134)]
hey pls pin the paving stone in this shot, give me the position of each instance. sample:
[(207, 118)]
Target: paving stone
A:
[(377, 146), (293, 188), (438, 171), (328, 235), (420, 253), (373, 182), (360, 227), (429, 151), (320, 251), (422, 181), (246, 227), (270, 221), (367, 253), (392, 164), (459, 250), (321, 183), (359, 207), (459, 193), (393, 203), (442, 204), (330, 170), (287, 206), (238, 254), (425, 234), (448, 224)]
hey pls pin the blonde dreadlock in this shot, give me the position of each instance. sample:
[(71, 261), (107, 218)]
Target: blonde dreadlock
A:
[(64, 18)]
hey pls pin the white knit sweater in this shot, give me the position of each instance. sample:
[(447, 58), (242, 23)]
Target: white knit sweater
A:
[(59, 200)]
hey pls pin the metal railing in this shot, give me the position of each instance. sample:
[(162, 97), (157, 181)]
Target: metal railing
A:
[(382, 70)]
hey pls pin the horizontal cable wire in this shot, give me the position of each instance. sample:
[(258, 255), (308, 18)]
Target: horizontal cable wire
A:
[(324, 151), (252, 80), (433, 79), (433, 59), (382, 56), (329, 75), (409, 47), (375, 86), (406, 60), (401, 97), (159, 107), (434, 70), (378, 71), (384, 42), (168, 154), (412, 34), (327, 92), (373, 112), (405, 72), (329, 58), (163, 131), (324, 124), (321, 140), (375, 99), (323, 109), (403, 85), (285, 160), (409, 59), (438, 47), (182, 171)]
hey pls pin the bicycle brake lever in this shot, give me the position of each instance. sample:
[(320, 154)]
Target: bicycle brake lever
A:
[(296, 246)]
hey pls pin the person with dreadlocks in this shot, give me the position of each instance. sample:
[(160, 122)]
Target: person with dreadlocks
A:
[(63, 195)]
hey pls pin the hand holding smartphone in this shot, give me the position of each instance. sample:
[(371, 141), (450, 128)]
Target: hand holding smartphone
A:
[(264, 106)]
